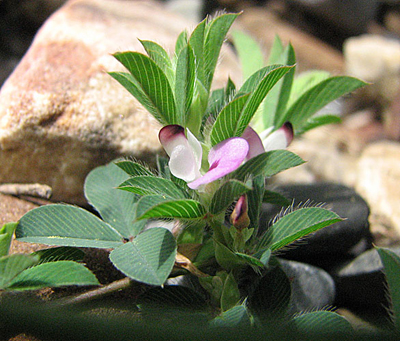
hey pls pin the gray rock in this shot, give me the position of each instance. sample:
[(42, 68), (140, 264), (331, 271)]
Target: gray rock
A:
[(361, 282), (312, 287)]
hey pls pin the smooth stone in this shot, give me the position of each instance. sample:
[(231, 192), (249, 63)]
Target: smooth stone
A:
[(332, 244), (361, 283), (312, 287)]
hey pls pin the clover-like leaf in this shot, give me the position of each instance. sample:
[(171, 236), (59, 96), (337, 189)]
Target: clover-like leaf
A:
[(66, 225), (149, 258), (323, 324), (12, 265), (116, 207), (53, 274)]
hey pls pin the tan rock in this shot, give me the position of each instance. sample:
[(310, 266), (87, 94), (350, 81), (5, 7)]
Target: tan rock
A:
[(61, 115), (378, 181), (376, 59), (311, 53)]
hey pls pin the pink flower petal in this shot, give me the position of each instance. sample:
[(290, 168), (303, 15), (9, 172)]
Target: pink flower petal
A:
[(279, 139), (223, 158), (184, 153), (255, 144)]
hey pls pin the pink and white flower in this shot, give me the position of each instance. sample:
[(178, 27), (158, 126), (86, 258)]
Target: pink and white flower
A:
[(185, 152)]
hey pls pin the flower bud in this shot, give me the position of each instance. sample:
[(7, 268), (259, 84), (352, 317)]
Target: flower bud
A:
[(239, 217)]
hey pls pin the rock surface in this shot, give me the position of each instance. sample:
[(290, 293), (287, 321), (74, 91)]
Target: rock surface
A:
[(379, 180), (376, 59), (311, 53), (61, 114), (361, 282), (312, 287)]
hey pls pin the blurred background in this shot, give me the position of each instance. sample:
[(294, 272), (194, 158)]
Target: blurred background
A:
[(332, 21)]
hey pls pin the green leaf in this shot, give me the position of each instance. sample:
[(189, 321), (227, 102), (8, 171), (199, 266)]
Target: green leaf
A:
[(269, 301), (12, 265), (152, 185), (295, 225), (235, 121), (267, 164), (275, 198), (305, 81), (59, 253), (226, 258), (154, 206), (226, 124), (230, 293), (236, 317), (66, 225), (215, 34), (196, 41), (226, 194), (318, 96), (54, 274), (135, 89), (254, 198), (181, 42), (322, 323), (254, 262), (249, 51), (317, 121), (6, 234), (185, 83), (215, 104), (276, 100), (133, 168), (192, 233), (149, 258), (160, 57), (152, 83), (116, 207), (391, 263), (276, 51)]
